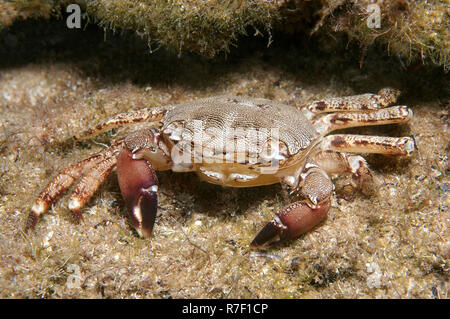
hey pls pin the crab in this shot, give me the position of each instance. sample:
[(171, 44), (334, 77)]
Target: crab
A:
[(238, 142)]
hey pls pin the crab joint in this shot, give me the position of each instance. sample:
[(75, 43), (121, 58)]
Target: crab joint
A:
[(292, 221), (139, 185)]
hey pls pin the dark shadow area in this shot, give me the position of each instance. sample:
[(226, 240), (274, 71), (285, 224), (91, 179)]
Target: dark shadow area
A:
[(124, 56)]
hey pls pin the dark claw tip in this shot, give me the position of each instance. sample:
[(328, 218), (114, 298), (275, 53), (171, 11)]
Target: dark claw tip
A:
[(77, 214), (31, 222), (271, 233), (143, 213)]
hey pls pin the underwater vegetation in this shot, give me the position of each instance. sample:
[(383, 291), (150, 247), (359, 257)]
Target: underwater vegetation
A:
[(415, 31)]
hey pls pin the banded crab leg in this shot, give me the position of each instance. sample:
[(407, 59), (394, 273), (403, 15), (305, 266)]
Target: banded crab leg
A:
[(128, 118), (315, 185), (137, 180), (88, 184), (313, 182), (361, 103), (351, 143), (334, 121), (64, 180), (95, 169)]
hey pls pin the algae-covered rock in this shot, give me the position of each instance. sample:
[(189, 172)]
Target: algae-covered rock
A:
[(415, 31), (205, 27), (11, 10)]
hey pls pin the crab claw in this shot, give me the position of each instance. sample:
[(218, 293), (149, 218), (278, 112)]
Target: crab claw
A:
[(292, 221), (139, 185)]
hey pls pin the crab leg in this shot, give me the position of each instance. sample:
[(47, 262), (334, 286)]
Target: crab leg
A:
[(363, 102), (89, 184), (128, 118), (139, 185), (338, 163), (334, 121), (63, 181), (399, 146), (301, 216)]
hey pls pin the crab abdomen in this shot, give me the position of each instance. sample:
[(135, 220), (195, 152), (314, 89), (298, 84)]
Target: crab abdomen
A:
[(234, 175)]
